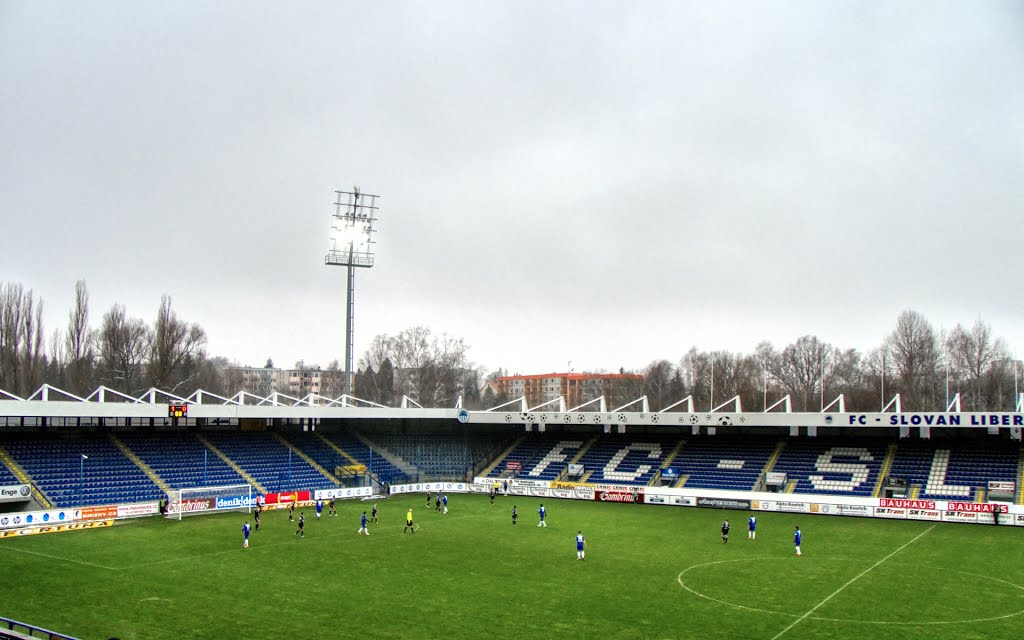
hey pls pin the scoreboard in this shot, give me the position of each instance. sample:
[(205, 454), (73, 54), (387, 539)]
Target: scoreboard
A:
[(177, 411)]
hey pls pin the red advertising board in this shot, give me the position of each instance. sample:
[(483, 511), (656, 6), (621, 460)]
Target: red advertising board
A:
[(900, 503), (190, 506), (974, 507), (287, 498), (619, 496)]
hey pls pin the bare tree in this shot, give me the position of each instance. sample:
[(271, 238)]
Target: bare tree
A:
[(78, 345), (973, 358), (332, 383), (176, 350), (914, 354), (55, 361), (433, 370), (122, 343), (658, 384), (696, 372), (804, 369), (22, 360)]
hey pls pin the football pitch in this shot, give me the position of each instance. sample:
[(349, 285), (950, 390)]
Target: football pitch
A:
[(650, 572)]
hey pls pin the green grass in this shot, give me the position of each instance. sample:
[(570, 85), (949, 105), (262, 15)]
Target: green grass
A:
[(471, 575)]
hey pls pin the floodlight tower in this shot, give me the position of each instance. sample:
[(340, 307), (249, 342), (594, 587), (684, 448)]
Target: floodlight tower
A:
[(352, 229)]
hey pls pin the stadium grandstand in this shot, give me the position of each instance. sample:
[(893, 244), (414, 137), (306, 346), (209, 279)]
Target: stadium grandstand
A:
[(112, 449)]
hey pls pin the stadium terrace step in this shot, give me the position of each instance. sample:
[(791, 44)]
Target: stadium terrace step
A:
[(884, 473), (302, 454), (24, 478), (405, 466), (153, 475), (501, 457), (231, 463)]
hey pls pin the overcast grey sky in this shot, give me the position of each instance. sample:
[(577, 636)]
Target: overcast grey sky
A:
[(601, 182)]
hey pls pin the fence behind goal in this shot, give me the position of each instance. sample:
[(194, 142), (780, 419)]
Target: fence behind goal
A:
[(205, 499)]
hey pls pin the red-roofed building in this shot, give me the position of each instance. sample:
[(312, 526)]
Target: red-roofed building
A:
[(576, 388)]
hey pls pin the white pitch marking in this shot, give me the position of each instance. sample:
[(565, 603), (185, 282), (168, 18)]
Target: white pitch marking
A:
[(902, 623), (852, 580), (46, 555)]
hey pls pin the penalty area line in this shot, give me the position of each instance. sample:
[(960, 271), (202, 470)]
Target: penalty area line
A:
[(852, 580)]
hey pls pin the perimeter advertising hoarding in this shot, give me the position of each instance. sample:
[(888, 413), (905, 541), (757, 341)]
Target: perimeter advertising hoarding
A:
[(35, 518), (96, 513), (620, 496), (343, 493), (924, 514), (433, 487), (140, 509), (891, 512), (56, 528), (236, 502), (723, 503), (288, 497), (660, 498), (192, 506), (843, 509), (15, 493)]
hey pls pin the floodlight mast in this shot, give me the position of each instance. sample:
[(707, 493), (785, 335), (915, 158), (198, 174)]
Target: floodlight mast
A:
[(352, 227)]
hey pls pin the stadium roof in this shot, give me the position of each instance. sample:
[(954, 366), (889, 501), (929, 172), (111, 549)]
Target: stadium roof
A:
[(52, 402)]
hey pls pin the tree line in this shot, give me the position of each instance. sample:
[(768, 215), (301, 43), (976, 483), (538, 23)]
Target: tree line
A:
[(123, 353), (128, 354), (925, 367)]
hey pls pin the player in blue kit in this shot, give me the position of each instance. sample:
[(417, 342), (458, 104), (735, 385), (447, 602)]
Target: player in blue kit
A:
[(796, 540), (581, 545), (542, 512), (444, 503), (362, 525), (245, 535), (752, 528), (319, 508)]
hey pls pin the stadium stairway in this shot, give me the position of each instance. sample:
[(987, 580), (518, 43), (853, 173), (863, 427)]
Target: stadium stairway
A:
[(340, 451), (23, 477), (768, 466), (667, 462), (883, 473), (403, 465), (1020, 476), (576, 458), (672, 454), (310, 461), (148, 470), (501, 456), (231, 463)]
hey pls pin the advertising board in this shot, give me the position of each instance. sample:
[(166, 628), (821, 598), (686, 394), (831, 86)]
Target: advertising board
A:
[(33, 518), (723, 503), (15, 493)]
